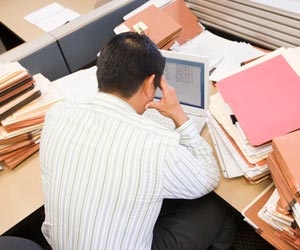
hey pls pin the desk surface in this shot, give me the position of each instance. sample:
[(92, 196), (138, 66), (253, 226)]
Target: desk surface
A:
[(236, 191), (12, 14), (21, 191)]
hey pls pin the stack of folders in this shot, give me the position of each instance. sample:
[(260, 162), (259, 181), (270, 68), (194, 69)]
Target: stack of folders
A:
[(284, 162), (163, 23), (22, 113), (279, 207), (256, 104)]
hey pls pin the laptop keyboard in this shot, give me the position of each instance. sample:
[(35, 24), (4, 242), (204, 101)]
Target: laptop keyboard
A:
[(155, 116)]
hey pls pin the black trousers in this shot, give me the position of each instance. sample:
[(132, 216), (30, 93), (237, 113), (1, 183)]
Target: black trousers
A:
[(200, 224), (17, 243)]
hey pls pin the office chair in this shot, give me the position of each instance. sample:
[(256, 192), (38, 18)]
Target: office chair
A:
[(18, 243)]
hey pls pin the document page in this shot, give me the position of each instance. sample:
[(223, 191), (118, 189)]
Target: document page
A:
[(51, 16)]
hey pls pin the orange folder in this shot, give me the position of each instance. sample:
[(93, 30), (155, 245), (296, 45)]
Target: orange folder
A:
[(156, 24), (179, 11), (286, 149)]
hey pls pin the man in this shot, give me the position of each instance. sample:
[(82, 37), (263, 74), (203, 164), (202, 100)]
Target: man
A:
[(114, 179)]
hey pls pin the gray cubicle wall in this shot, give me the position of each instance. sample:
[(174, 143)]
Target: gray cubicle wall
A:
[(81, 39), (255, 22), (41, 55)]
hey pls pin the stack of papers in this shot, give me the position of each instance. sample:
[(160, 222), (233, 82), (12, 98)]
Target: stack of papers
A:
[(233, 161), (264, 99), (284, 164), (20, 132), (225, 56), (277, 228), (147, 19), (19, 136), (16, 88), (256, 104)]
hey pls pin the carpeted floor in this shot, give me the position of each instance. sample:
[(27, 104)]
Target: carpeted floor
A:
[(248, 239)]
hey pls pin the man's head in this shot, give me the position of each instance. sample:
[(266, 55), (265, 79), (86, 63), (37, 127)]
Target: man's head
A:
[(126, 61)]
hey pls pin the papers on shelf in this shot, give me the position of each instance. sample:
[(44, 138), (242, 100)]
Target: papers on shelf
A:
[(51, 16)]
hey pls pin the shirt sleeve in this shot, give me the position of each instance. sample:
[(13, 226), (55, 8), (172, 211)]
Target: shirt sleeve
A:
[(190, 168)]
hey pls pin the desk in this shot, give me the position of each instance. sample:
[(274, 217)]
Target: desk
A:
[(236, 191), (21, 190), (21, 193), (12, 14)]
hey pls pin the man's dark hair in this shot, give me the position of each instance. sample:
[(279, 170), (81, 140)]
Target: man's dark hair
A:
[(126, 61)]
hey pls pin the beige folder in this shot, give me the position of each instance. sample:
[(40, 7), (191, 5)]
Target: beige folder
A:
[(155, 23), (286, 149)]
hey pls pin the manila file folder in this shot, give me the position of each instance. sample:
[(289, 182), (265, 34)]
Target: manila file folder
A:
[(155, 23), (286, 150)]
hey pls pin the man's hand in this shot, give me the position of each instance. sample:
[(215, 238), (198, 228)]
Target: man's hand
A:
[(169, 105)]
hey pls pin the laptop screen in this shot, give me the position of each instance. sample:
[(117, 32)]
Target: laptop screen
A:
[(188, 74)]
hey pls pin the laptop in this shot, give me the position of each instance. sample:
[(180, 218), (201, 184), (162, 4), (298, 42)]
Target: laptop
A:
[(189, 75)]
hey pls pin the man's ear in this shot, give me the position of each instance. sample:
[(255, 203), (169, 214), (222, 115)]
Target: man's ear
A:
[(149, 86)]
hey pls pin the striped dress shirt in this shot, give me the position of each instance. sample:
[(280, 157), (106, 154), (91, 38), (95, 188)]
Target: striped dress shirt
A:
[(107, 169)]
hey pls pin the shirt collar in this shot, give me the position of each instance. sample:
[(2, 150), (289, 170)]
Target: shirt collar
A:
[(113, 102)]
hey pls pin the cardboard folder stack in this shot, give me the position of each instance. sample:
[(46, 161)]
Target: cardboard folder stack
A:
[(276, 212), (22, 114), (277, 228), (16, 89), (173, 21), (258, 103), (284, 162)]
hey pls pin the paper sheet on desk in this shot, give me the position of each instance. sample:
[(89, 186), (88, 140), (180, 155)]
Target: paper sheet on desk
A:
[(51, 16), (81, 84), (291, 55)]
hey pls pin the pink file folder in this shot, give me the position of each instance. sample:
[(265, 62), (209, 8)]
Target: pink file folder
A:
[(265, 99)]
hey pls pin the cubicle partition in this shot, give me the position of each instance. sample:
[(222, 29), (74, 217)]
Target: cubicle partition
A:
[(81, 39), (39, 56), (73, 46), (261, 24)]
